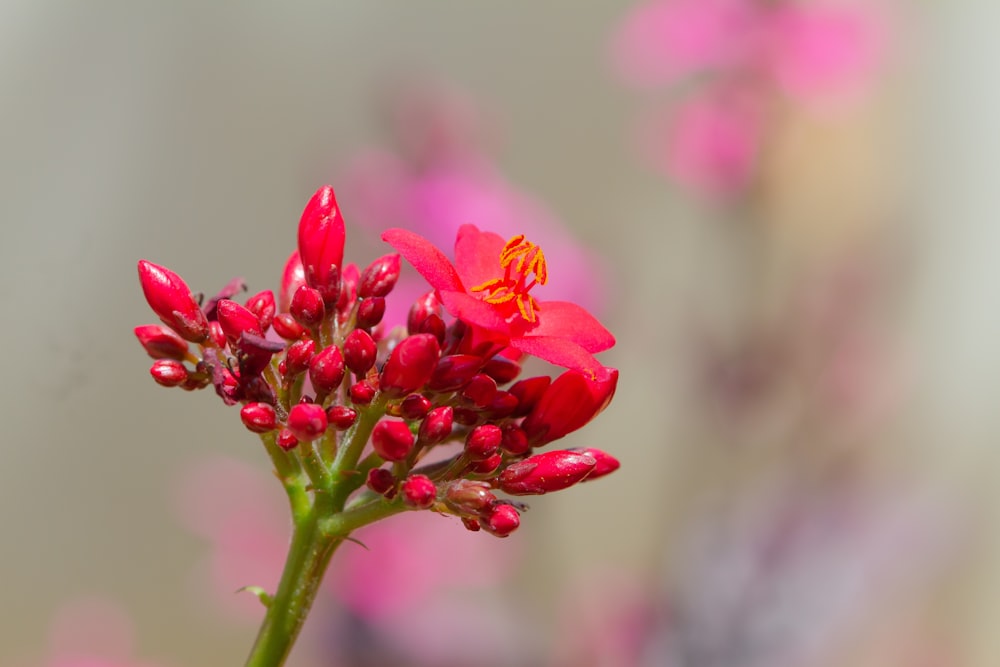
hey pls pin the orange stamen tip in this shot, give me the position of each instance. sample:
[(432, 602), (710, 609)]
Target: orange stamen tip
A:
[(514, 285)]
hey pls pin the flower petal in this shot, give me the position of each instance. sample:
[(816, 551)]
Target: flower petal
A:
[(472, 310), (558, 351), (425, 258), (477, 255), (561, 319)]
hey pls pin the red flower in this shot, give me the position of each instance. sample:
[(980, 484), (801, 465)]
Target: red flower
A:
[(489, 287)]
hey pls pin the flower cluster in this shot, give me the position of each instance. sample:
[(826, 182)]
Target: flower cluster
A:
[(430, 415)]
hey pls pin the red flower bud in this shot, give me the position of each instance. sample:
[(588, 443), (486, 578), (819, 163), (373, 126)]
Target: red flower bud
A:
[(503, 520), (161, 343), (321, 243), (326, 369), (362, 392), (168, 372), (572, 400), (349, 278), (515, 441), (549, 471), (380, 277), (409, 365), (307, 421), (235, 319), (286, 440), (468, 496), (286, 327), (481, 390), (414, 406), (418, 491), (483, 442), (262, 305), (472, 525), (298, 356), (502, 369), (307, 307), (428, 304), (292, 279), (466, 417), (359, 351), (171, 299), (435, 326), (341, 417), (503, 405), (606, 464), (454, 371), (381, 480), (392, 440), (370, 312), (259, 417), (216, 333), (487, 465), (437, 425), (528, 392)]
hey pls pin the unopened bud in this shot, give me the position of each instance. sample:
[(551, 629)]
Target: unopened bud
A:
[(292, 278), (307, 307), (370, 312), (326, 370), (502, 520), (503, 405), (362, 392), (380, 277), (528, 391), (168, 372), (572, 400), (216, 333), (428, 304), (418, 491), (171, 299), (434, 326), (381, 481), (414, 406), (480, 390), (502, 369), (359, 352), (349, 278), (259, 417), (286, 440), (486, 466), (341, 417), (469, 497), (307, 421), (483, 442), (321, 243), (262, 305), (437, 425), (235, 319), (409, 365), (515, 441), (392, 440), (299, 355), (161, 342), (472, 525), (606, 464), (454, 371), (286, 327), (542, 473)]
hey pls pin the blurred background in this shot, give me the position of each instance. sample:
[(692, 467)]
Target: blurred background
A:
[(782, 208)]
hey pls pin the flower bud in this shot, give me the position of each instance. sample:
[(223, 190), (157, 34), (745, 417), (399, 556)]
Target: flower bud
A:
[(472, 525), (480, 390), (341, 417), (528, 391), (572, 400), (359, 351), (349, 278), (262, 305), (326, 370), (292, 279), (415, 406), (503, 520), (307, 421), (321, 244), (392, 440), (362, 392), (454, 371), (483, 442), (286, 440), (515, 441), (549, 471), (418, 491), (502, 369), (307, 307), (381, 481), (380, 277), (487, 466), (161, 343), (299, 356), (435, 326), (469, 497), (503, 405), (466, 417), (235, 319), (409, 365), (370, 312), (216, 333), (606, 464), (428, 304), (168, 372), (437, 425), (259, 417), (286, 327), (171, 299)]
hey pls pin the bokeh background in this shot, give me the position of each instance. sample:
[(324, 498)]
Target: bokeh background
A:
[(807, 413)]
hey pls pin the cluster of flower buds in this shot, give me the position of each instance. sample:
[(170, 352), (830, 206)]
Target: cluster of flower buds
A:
[(446, 420)]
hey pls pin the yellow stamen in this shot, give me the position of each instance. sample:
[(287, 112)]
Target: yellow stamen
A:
[(519, 258)]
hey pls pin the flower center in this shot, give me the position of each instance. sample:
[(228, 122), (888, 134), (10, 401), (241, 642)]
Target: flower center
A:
[(521, 260)]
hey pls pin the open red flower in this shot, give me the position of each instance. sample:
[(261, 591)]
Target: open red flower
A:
[(489, 287)]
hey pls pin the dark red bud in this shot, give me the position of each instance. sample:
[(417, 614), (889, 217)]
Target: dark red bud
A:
[(415, 406), (380, 277), (486, 466), (235, 319), (471, 524), (299, 356), (168, 372), (468, 496), (359, 351), (503, 520), (483, 442), (341, 417), (286, 327), (307, 421), (410, 365), (349, 278), (428, 304), (286, 440), (171, 299), (454, 371), (418, 491), (572, 400), (502, 369), (435, 326), (262, 305), (161, 342), (503, 405), (606, 464), (466, 416), (542, 473), (362, 392), (515, 441), (480, 390), (528, 392), (326, 370), (321, 243), (292, 279), (437, 425), (381, 481), (307, 307), (392, 440), (370, 312), (259, 417)]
